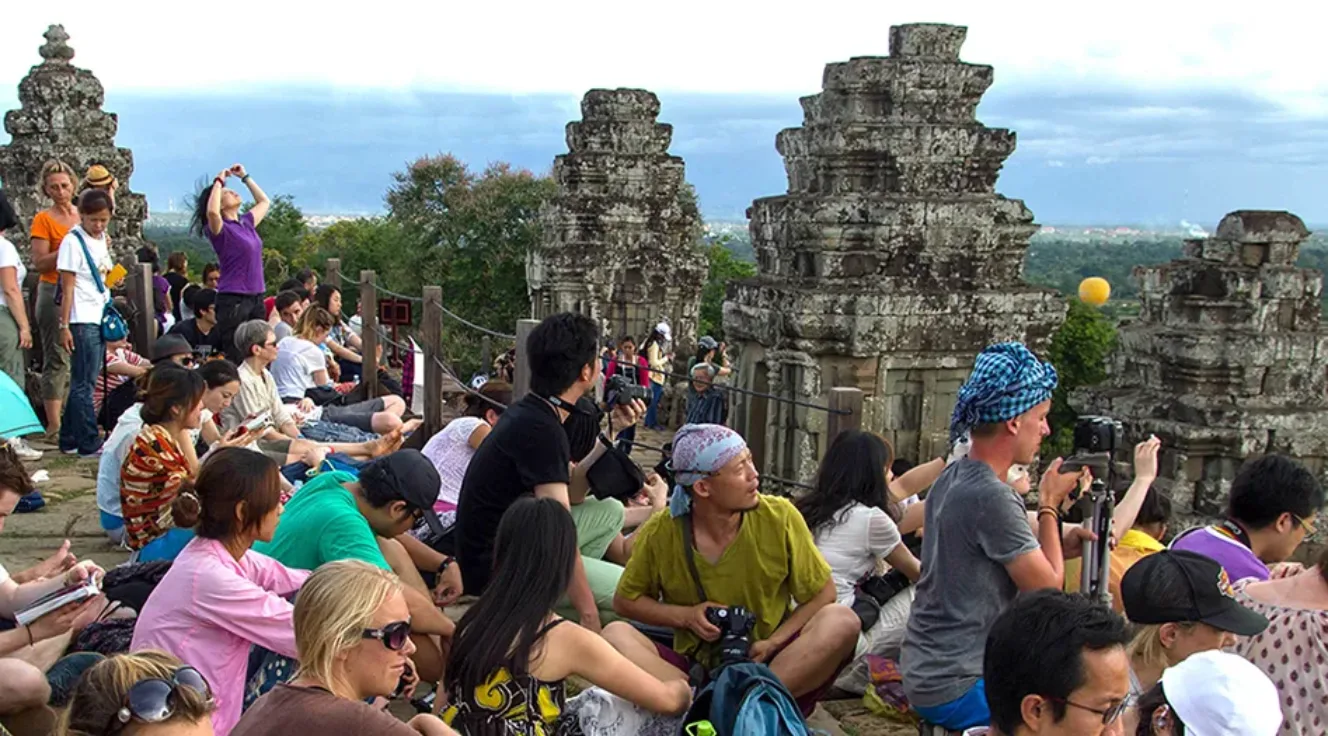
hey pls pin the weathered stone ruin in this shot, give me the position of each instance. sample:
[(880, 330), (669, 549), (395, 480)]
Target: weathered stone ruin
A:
[(620, 236), (891, 261), (60, 117), (1227, 359)]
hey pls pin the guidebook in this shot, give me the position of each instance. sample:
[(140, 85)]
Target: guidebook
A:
[(57, 599)]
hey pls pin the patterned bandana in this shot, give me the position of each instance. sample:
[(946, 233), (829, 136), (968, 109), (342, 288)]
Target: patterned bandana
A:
[(698, 451), (1007, 380)]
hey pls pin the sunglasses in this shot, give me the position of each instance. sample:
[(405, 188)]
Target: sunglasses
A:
[(1305, 523), (393, 636), (153, 700), (1109, 715)]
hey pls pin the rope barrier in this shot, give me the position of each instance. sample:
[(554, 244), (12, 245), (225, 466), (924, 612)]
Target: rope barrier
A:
[(749, 392)]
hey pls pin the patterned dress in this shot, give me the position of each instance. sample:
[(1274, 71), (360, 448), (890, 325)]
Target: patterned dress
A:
[(512, 706), (149, 481)]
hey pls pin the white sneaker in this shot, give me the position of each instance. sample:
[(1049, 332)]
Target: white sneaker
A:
[(24, 450)]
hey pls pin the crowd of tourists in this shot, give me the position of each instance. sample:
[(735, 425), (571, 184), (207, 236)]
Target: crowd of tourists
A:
[(291, 557)]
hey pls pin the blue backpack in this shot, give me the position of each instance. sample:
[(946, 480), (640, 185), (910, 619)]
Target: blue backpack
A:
[(746, 699)]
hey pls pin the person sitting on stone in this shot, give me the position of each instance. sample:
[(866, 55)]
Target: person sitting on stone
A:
[(846, 515), (352, 629), (1055, 665), (724, 544), (529, 452), (1181, 603), (300, 370), (173, 349), (146, 693), (452, 449), (978, 548), (288, 437), (200, 331), (706, 402), (116, 390), (1272, 507), (287, 308), (336, 516), (1212, 693)]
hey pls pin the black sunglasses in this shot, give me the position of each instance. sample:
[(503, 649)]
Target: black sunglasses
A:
[(153, 700), (393, 636)]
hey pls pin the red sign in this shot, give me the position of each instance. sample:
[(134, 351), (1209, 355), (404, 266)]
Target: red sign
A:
[(394, 312)]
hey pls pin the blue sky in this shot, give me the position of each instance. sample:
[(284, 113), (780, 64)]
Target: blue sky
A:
[(1150, 113)]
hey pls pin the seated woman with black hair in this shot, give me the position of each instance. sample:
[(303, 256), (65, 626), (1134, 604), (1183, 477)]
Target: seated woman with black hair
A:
[(511, 652)]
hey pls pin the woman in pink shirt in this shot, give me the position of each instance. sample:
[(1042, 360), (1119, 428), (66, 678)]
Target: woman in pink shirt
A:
[(220, 597)]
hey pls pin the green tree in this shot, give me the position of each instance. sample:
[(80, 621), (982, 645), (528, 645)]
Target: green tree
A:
[(724, 267), (1079, 350)]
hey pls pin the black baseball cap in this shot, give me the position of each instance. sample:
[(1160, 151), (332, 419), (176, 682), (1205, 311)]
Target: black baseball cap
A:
[(410, 476), (1175, 586), (170, 345)]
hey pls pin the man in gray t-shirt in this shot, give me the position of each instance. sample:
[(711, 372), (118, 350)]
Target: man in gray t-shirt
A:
[(978, 550)]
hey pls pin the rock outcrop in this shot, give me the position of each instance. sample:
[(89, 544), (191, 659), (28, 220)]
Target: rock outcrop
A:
[(891, 261)]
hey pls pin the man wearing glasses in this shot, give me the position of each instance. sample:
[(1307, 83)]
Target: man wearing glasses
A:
[(1056, 665), (1274, 503)]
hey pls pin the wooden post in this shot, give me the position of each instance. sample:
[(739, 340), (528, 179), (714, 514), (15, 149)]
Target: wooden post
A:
[(145, 319), (333, 273), (843, 399), (431, 341), (369, 332), (522, 384)]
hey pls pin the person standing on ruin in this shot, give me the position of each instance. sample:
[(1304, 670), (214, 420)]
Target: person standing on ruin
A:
[(239, 248), (49, 228)]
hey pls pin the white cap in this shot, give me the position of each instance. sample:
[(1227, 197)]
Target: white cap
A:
[(1218, 694), (663, 329)]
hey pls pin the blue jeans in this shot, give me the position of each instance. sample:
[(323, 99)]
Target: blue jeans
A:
[(966, 712), (78, 427), (652, 412)]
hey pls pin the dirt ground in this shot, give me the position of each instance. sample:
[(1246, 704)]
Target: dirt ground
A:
[(71, 513)]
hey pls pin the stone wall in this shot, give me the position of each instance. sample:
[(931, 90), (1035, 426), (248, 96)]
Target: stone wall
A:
[(621, 235), (1228, 359), (60, 117), (890, 262)]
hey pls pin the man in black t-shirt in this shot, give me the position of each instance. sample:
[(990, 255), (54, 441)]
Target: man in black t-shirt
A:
[(528, 452), (201, 332)]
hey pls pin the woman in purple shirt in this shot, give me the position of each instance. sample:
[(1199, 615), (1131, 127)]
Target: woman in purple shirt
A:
[(239, 248)]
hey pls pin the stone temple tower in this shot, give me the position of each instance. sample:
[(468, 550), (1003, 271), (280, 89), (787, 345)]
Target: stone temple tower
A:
[(890, 262), (1228, 359), (621, 236), (60, 117)]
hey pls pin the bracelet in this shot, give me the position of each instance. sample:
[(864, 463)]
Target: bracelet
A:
[(219, 180), (246, 178), (1049, 510), (447, 562)]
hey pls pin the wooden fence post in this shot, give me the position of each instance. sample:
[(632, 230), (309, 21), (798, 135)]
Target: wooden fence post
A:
[(843, 399), (521, 386), (431, 341), (145, 318), (333, 273), (369, 341)]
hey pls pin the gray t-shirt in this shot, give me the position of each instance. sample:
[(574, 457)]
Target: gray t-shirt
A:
[(975, 525)]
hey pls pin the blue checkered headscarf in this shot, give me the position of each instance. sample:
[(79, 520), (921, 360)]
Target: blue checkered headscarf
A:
[(1007, 380)]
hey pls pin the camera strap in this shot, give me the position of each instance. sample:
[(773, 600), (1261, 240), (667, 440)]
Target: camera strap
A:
[(1236, 532), (689, 541)]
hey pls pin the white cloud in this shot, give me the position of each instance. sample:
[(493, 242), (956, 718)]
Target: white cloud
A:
[(690, 45)]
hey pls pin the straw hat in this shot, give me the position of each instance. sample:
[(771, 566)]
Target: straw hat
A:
[(99, 176)]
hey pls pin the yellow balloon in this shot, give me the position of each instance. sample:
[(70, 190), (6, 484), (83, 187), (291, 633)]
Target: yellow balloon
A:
[(1094, 290)]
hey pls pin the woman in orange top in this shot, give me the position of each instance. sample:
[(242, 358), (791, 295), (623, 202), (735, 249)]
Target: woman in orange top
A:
[(49, 227)]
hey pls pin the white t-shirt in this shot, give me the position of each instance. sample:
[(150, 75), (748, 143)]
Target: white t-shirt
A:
[(293, 370), (450, 452), (9, 259), (852, 546), (89, 303), (282, 330)]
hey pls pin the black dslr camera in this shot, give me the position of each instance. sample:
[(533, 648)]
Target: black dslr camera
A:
[(1095, 441), (735, 632), (618, 391), (1096, 434)]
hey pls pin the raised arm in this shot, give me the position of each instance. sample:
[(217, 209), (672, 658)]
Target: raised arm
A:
[(261, 202), (916, 480), (214, 202), (1145, 472)]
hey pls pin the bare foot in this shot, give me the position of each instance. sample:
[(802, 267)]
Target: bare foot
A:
[(411, 426), (387, 444)]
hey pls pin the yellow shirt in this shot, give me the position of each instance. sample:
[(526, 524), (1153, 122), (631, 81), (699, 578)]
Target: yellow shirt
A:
[(1134, 546), (772, 563)]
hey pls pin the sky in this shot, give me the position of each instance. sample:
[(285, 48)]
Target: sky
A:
[(1128, 111)]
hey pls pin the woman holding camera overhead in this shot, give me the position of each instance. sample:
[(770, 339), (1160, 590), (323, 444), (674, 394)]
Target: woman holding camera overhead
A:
[(511, 651), (239, 248)]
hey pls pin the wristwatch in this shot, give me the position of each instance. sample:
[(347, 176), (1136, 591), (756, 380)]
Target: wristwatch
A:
[(447, 562)]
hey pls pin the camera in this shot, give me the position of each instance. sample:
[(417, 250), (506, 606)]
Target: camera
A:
[(619, 391), (735, 631), (1095, 441), (1093, 434)]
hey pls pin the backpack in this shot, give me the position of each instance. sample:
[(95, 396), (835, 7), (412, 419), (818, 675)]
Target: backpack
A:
[(746, 699)]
